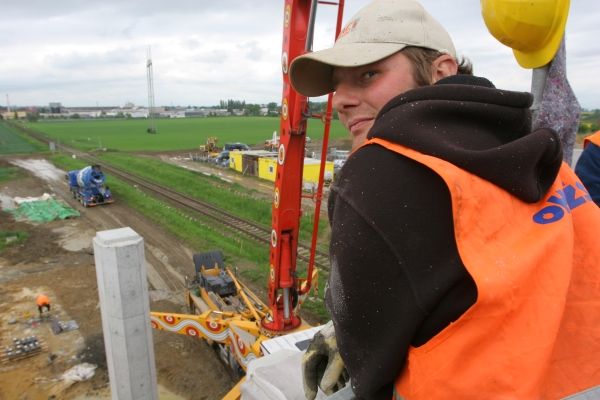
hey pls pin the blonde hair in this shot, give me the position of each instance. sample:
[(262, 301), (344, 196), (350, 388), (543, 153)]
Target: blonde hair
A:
[(422, 59)]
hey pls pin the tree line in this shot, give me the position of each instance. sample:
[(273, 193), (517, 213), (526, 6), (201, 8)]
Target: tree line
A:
[(589, 122)]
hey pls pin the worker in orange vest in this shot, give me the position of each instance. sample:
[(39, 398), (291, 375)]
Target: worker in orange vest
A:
[(588, 166), (464, 258), (42, 302)]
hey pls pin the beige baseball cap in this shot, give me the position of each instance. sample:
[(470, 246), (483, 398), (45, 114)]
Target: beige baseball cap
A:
[(377, 31)]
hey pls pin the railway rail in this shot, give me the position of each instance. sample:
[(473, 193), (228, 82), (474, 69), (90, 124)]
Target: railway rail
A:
[(186, 203)]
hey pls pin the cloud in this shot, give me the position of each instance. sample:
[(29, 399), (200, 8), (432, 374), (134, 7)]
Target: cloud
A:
[(83, 53)]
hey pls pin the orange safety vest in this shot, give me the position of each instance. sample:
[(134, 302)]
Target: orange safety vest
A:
[(42, 300), (534, 331), (593, 138)]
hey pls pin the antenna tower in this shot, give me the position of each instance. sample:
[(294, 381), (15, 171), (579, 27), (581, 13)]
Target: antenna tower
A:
[(150, 79)]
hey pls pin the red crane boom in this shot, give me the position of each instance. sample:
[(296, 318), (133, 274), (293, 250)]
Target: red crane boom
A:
[(284, 286)]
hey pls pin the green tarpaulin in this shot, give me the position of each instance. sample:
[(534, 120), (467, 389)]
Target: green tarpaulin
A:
[(44, 210)]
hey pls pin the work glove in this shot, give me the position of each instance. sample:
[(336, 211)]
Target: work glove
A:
[(322, 365)]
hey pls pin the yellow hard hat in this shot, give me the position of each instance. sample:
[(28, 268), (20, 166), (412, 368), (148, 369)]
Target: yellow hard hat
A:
[(532, 28)]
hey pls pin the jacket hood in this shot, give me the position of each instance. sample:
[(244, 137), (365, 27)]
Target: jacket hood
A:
[(486, 131)]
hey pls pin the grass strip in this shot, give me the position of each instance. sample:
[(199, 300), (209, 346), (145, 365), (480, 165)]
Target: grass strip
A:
[(13, 142), (231, 197), (8, 238), (8, 173)]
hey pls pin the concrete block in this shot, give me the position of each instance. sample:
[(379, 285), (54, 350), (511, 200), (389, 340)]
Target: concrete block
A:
[(125, 309)]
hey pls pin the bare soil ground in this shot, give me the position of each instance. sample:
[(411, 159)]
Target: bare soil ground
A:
[(57, 259)]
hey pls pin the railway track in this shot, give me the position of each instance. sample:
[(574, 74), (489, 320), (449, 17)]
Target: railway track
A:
[(249, 229), (243, 227)]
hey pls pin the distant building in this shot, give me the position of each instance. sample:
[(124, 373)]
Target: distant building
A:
[(13, 114), (196, 113), (86, 114), (139, 113), (206, 112), (176, 114), (219, 112), (55, 108)]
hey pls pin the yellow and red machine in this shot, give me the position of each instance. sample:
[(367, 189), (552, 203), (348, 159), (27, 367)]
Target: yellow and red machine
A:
[(224, 311)]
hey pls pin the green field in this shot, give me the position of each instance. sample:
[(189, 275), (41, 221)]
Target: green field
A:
[(13, 143), (173, 134)]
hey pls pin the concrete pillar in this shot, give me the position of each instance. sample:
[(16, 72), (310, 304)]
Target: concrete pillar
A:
[(125, 308)]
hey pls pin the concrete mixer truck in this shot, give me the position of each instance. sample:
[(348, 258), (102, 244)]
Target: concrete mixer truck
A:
[(87, 186)]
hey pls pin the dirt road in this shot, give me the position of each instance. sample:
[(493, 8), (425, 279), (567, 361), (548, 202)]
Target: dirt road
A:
[(57, 259)]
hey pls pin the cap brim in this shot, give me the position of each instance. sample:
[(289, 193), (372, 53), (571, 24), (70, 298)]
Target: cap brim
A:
[(311, 73)]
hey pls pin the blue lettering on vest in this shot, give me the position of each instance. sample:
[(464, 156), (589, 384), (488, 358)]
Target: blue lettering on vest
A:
[(563, 200)]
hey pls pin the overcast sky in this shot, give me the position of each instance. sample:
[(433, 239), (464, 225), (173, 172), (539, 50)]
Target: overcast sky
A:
[(94, 52)]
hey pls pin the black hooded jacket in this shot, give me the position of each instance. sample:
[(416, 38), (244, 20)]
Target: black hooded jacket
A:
[(396, 276)]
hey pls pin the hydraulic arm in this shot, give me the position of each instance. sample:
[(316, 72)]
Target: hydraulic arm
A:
[(284, 286)]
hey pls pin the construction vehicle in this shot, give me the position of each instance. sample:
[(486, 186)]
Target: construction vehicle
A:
[(273, 143), (87, 186), (223, 311), (210, 146), (236, 146)]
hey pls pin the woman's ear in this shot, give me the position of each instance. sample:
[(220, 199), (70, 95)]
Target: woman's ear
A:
[(443, 66)]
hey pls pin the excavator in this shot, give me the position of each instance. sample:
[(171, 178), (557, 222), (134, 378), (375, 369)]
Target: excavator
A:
[(210, 146), (224, 311)]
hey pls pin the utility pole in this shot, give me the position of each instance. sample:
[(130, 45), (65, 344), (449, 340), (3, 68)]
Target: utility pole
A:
[(150, 80), (7, 103)]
